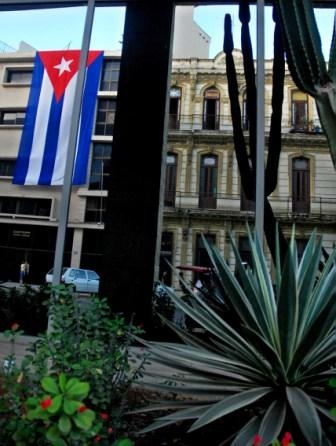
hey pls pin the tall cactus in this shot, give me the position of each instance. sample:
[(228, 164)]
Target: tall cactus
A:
[(306, 62), (247, 152)]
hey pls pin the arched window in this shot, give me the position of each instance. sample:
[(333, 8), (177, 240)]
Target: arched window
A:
[(170, 188), (299, 111), (208, 182), (174, 108), (211, 109), (300, 185)]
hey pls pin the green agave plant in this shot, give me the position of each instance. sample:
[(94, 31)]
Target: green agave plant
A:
[(266, 365)]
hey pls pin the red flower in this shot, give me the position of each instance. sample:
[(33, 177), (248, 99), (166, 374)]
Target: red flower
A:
[(46, 403), (82, 408), (14, 326), (257, 440), (287, 439), (110, 430), (104, 416), (97, 438)]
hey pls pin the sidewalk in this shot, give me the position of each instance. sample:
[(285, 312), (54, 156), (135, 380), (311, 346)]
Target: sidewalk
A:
[(21, 345), (19, 286), (156, 372)]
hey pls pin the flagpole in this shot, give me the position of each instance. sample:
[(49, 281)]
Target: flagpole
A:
[(260, 168), (67, 184)]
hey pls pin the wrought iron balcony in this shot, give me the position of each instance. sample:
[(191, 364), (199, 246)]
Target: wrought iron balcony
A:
[(199, 122), (317, 208)]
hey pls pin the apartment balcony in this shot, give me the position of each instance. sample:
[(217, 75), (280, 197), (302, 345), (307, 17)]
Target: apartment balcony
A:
[(222, 123), (317, 209)]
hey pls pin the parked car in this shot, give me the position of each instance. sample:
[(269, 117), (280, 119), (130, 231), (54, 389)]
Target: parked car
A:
[(83, 280)]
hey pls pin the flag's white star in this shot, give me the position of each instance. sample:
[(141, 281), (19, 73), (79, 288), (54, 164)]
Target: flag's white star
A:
[(63, 66)]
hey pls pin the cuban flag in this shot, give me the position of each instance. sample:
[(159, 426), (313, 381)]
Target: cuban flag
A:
[(45, 138)]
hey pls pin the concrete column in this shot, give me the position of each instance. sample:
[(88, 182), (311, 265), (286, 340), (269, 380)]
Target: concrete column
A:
[(138, 155), (76, 247)]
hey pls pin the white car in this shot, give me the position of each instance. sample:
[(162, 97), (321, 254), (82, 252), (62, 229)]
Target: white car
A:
[(83, 280)]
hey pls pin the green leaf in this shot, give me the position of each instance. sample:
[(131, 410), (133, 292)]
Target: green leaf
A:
[(62, 382), (54, 436), (71, 382), (37, 414), (306, 415), (84, 420), (229, 405), (32, 401), (123, 442), (246, 435), (273, 421), (78, 390), (50, 385), (288, 305), (55, 404), (332, 382), (189, 413), (71, 406), (64, 424)]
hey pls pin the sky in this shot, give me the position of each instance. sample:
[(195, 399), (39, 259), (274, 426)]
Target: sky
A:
[(62, 28)]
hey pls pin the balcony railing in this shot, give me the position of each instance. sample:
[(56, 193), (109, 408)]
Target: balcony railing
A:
[(197, 122), (231, 204)]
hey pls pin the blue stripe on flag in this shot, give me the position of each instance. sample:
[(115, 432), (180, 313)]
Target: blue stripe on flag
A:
[(86, 123), (50, 148), (25, 147)]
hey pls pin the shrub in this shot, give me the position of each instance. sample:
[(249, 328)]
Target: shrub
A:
[(86, 343), (26, 306)]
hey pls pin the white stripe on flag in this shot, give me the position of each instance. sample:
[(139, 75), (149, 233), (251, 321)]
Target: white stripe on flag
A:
[(40, 131), (64, 133)]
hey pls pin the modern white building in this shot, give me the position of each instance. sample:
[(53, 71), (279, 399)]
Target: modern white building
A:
[(190, 40)]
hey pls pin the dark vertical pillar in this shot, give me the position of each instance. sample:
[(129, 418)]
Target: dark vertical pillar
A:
[(138, 146)]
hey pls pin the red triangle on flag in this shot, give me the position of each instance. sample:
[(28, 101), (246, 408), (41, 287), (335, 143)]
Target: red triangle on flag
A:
[(62, 66)]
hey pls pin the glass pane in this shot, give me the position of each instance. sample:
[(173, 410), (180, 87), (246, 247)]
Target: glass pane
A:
[(19, 77), (171, 159), (26, 206), (81, 274), (209, 161), (110, 117), (300, 163)]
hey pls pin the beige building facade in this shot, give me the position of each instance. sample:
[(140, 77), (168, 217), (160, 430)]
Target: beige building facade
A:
[(203, 187)]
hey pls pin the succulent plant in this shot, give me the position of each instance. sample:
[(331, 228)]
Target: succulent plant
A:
[(306, 61), (268, 350)]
